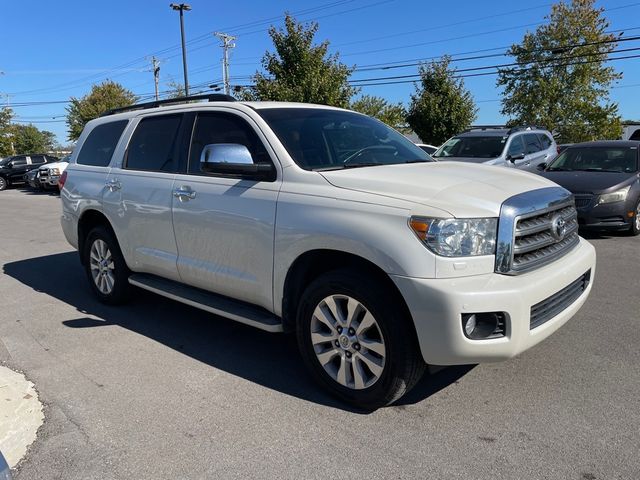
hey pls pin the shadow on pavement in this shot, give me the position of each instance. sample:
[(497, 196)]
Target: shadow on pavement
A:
[(271, 360)]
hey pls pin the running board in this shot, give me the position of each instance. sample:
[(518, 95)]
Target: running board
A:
[(217, 304)]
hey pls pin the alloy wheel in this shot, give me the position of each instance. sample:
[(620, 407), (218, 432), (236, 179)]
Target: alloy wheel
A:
[(102, 266)]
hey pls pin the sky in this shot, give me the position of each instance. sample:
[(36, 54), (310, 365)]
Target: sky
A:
[(52, 51)]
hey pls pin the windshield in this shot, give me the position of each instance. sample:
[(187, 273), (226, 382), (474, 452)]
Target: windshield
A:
[(320, 139), (597, 159), (472, 147)]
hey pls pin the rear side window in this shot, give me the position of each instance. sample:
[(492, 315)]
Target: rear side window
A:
[(98, 148), (153, 144), (544, 140), (532, 143), (37, 159)]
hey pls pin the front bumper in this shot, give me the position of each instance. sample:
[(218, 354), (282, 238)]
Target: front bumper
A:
[(436, 306), (612, 216), (49, 180)]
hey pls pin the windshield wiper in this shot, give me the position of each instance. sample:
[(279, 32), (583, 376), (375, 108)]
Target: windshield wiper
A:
[(559, 169), (600, 170), (347, 166)]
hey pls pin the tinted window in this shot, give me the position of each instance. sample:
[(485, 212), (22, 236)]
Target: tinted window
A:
[(37, 159), (544, 140), (153, 145), (516, 147), (332, 139), (472, 147), (598, 159), (98, 148), (532, 143), (224, 128), (18, 162)]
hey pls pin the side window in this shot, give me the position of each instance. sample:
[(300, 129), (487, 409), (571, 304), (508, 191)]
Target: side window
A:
[(532, 143), (224, 128), (544, 140), (19, 162), (37, 159), (153, 144), (516, 147), (98, 148)]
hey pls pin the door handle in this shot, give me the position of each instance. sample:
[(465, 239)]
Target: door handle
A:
[(113, 185), (184, 193)]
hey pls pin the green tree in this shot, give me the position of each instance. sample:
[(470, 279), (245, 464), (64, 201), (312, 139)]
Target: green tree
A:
[(30, 139), (176, 89), (377, 107), (299, 71), (561, 79), (441, 106), (102, 97), (6, 132)]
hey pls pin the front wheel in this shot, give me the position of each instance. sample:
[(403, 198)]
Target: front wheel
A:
[(106, 269), (3, 183), (356, 340), (635, 222)]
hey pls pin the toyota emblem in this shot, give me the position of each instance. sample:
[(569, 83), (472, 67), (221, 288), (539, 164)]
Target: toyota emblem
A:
[(558, 228)]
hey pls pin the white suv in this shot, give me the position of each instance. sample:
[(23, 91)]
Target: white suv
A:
[(324, 222)]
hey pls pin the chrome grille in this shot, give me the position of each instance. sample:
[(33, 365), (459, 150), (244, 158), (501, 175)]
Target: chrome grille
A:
[(535, 229)]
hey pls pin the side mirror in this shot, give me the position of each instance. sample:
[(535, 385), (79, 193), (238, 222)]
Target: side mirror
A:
[(542, 166), (233, 159), (513, 158), (9, 165)]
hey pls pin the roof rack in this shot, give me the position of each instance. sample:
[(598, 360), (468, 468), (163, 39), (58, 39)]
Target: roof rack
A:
[(520, 128), (475, 128), (211, 97)]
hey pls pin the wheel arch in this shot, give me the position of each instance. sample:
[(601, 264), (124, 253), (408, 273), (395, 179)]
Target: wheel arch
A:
[(311, 264), (90, 219)]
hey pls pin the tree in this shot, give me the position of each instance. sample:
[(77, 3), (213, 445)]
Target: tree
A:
[(102, 97), (176, 89), (6, 133), (561, 79), (377, 107), (441, 106), (30, 139), (300, 71)]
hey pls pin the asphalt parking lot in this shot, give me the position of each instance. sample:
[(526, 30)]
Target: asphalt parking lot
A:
[(157, 389)]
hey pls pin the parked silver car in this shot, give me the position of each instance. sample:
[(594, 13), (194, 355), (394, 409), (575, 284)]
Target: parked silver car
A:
[(521, 147)]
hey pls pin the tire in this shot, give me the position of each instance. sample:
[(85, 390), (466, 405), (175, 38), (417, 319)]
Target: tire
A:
[(105, 267), (4, 183), (634, 230), (371, 364)]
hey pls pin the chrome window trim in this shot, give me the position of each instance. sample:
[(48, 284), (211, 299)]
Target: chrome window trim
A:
[(521, 206)]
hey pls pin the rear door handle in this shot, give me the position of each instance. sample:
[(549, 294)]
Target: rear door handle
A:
[(184, 193), (113, 185)]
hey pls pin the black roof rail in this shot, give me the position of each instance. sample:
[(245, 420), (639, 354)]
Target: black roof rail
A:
[(521, 128), (475, 128), (210, 97)]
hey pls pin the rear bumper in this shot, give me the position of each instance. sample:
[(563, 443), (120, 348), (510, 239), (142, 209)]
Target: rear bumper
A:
[(437, 305)]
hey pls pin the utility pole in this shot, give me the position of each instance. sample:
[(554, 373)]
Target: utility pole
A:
[(156, 73), (227, 43), (181, 7)]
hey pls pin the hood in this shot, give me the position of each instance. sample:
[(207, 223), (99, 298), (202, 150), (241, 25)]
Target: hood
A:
[(588, 182), (59, 165), (463, 190), (465, 159)]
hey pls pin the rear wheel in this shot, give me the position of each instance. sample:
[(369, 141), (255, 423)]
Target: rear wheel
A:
[(106, 269), (356, 340)]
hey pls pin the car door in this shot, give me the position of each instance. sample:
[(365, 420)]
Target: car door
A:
[(535, 153), (19, 166), (224, 224), (138, 195)]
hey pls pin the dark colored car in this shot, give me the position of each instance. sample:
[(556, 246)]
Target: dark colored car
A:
[(13, 169), (32, 179), (605, 181)]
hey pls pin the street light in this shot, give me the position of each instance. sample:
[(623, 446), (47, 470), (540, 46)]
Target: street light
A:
[(181, 7)]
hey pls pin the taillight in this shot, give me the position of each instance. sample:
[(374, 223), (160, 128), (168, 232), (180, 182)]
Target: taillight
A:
[(62, 179)]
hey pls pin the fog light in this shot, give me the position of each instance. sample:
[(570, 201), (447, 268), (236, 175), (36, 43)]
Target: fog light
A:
[(482, 326)]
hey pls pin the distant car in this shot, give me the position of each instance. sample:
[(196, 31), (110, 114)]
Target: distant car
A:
[(12, 169), (31, 178), (522, 147), (430, 149), (49, 174), (604, 178)]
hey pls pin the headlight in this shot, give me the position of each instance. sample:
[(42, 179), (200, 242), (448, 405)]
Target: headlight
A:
[(457, 237), (617, 196), (55, 171)]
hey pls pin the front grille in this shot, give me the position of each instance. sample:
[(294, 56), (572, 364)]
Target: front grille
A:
[(535, 242), (550, 307), (583, 201), (535, 228)]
